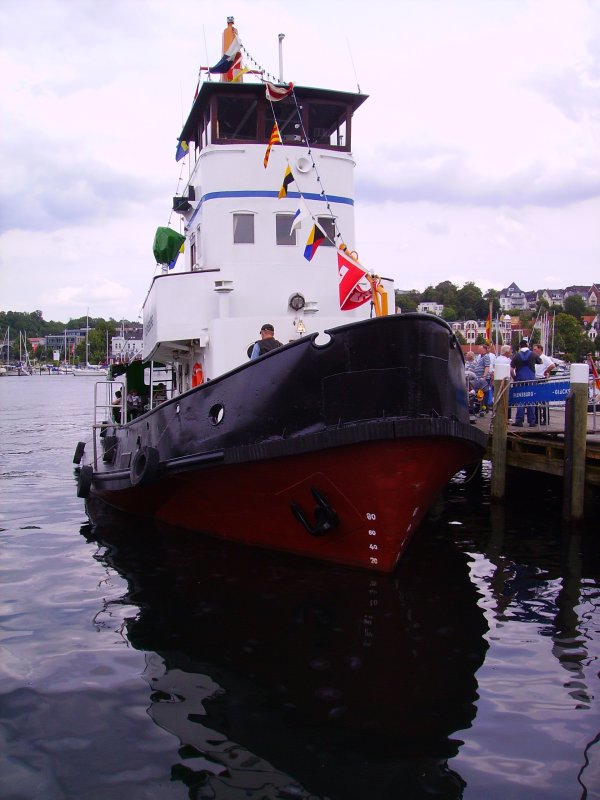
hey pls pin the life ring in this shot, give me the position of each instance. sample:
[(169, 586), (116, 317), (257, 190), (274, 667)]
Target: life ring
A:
[(84, 482), (197, 374), (144, 466)]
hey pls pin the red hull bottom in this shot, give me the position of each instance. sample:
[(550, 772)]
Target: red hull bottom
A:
[(380, 492)]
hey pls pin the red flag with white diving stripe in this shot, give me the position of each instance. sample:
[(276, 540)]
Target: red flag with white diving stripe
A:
[(352, 294)]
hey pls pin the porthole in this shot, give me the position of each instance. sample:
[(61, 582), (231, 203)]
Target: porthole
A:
[(216, 414)]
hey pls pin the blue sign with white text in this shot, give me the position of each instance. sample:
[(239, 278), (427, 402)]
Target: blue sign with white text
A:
[(530, 393)]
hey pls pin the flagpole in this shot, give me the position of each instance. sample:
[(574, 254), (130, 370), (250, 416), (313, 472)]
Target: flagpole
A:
[(281, 38)]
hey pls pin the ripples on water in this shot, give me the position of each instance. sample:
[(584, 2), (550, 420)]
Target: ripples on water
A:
[(142, 663)]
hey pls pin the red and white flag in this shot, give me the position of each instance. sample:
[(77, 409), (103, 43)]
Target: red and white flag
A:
[(352, 294), (275, 93)]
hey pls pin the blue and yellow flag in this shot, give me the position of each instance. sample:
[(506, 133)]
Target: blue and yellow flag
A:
[(183, 149)]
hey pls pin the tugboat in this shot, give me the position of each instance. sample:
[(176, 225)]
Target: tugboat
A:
[(283, 402)]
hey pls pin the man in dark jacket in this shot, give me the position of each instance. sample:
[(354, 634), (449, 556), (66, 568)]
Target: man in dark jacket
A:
[(267, 341), (523, 366)]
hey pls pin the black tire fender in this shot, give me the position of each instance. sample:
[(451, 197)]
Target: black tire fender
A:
[(77, 456), (144, 466), (84, 482)]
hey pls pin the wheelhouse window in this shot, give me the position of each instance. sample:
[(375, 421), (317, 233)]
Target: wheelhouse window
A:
[(243, 228), (288, 122), (283, 233), (236, 118), (327, 124), (328, 226)]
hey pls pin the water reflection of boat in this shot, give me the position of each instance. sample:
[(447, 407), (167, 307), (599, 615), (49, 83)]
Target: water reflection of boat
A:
[(317, 670)]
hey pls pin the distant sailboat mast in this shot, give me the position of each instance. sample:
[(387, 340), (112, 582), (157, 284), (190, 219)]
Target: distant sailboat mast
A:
[(87, 345)]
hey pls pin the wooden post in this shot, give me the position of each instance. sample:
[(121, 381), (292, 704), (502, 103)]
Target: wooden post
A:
[(575, 442), (500, 425), (568, 458)]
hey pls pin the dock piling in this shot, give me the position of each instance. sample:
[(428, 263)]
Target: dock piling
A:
[(575, 443), (499, 430)]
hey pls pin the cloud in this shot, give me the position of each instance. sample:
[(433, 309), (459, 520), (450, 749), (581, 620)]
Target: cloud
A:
[(50, 195), (450, 179)]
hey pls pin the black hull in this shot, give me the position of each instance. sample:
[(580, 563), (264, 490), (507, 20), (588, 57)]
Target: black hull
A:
[(358, 403)]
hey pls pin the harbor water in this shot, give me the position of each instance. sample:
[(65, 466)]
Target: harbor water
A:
[(141, 662)]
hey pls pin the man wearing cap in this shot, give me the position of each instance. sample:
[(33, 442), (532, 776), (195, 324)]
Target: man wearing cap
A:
[(523, 366), (266, 343)]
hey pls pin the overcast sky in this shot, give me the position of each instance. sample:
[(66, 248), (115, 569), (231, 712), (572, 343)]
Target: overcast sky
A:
[(478, 150)]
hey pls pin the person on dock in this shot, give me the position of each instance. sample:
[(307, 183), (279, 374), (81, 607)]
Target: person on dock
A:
[(523, 366), (542, 371), (483, 373), (504, 358)]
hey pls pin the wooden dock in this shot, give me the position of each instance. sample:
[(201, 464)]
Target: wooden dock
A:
[(542, 449), (567, 447)]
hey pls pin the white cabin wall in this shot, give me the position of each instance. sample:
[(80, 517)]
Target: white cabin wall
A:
[(240, 169)]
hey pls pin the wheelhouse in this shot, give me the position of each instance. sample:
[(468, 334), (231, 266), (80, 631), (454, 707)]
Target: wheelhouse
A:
[(230, 113)]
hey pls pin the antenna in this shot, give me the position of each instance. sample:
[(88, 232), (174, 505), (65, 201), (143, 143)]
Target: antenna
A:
[(206, 52), (353, 67)]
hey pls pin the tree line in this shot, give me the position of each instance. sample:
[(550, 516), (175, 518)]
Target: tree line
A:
[(469, 302)]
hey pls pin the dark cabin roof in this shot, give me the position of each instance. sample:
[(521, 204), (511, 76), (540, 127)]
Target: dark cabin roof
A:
[(257, 90)]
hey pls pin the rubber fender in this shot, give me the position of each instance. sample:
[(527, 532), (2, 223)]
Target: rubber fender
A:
[(144, 466), (77, 456), (84, 482)]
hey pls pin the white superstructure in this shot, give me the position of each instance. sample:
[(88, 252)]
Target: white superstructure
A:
[(243, 265)]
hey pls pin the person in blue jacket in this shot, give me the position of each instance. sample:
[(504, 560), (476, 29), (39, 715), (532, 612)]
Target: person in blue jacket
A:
[(523, 367)]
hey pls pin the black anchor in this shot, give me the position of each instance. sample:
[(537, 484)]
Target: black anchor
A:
[(325, 517)]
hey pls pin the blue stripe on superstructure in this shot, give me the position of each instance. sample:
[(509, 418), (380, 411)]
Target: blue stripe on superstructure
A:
[(332, 198)]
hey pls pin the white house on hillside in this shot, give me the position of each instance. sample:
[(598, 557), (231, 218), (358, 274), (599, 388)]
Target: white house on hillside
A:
[(126, 348), (431, 308), (513, 299)]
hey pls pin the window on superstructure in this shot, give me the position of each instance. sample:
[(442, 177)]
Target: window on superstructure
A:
[(236, 118), (243, 228), (328, 226), (283, 233), (327, 124), (193, 260), (198, 253)]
